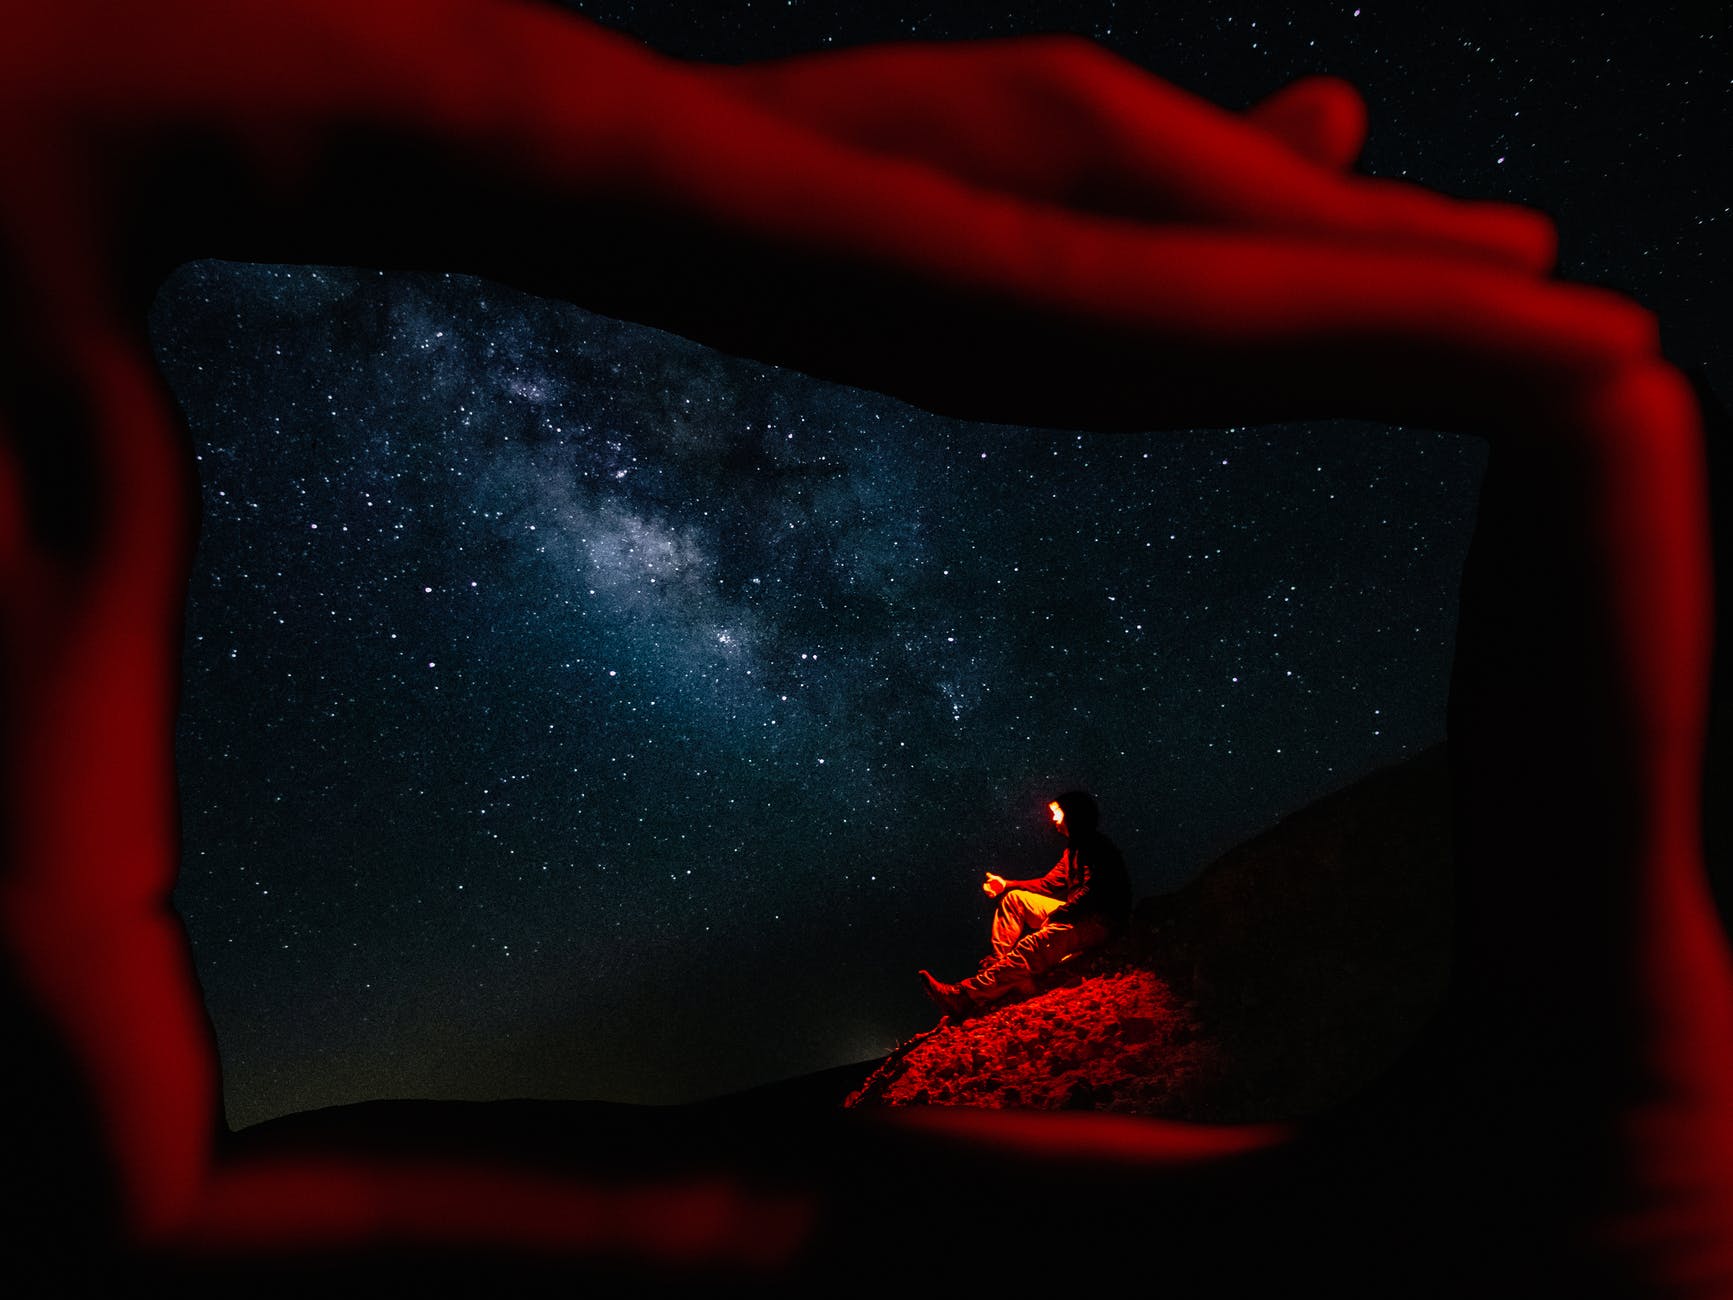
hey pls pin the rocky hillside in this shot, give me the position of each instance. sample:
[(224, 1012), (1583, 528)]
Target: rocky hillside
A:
[(1287, 975), (1113, 1038)]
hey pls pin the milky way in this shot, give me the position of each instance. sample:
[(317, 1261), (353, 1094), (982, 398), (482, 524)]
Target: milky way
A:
[(573, 711), (548, 675)]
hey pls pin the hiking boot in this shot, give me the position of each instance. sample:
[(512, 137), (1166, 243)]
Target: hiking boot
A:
[(953, 999)]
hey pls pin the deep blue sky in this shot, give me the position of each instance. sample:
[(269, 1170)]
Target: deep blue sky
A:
[(572, 711)]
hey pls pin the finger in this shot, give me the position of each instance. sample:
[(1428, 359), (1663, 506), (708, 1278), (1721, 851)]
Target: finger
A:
[(1521, 237), (1064, 121), (1323, 119)]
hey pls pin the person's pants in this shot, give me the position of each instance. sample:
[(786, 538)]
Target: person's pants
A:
[(1026, 944)]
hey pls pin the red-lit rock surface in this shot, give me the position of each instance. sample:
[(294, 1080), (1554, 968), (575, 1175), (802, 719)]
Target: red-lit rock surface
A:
[(1290, 973), (1118, 1039)]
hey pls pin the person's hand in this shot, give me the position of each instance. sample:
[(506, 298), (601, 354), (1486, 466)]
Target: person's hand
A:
[(1025, 231), (993, 886), (1062, 121)]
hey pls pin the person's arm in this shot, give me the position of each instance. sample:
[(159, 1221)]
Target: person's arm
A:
[(1052, 884), (1095, 879), (1078, 883)]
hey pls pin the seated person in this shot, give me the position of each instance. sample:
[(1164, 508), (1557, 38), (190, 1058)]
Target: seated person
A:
[(1078, 905)]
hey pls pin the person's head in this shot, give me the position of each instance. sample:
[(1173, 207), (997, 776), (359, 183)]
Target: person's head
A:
[(1074, 813)]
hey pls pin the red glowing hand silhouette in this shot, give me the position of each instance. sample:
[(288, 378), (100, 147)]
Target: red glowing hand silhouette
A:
[(1025, 231), (1060, 120)]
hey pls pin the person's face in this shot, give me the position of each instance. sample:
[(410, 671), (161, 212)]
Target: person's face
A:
[(1059, 819)]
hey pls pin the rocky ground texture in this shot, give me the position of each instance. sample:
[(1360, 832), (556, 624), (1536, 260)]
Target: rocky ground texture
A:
[(1115, 1039)]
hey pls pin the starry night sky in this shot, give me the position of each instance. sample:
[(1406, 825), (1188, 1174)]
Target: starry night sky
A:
[(574, 711)]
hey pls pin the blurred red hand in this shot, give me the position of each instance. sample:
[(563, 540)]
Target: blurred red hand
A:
[(1024, 230)]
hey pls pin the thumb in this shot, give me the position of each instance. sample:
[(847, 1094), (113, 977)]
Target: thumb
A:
[(1321, 118)]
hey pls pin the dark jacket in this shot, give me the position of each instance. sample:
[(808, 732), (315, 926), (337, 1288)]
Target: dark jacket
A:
[(1090, 877)]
